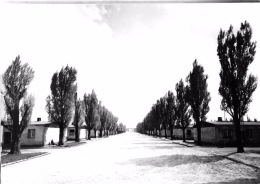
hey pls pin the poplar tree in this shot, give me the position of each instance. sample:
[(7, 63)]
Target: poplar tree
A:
[(182, 107), (78, 117), (171, 115), (198, 96), (60, 104), (91, 111), (16, 80), (236, 53)]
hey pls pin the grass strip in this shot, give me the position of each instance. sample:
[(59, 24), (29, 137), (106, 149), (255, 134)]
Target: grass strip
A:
[(14, 158)]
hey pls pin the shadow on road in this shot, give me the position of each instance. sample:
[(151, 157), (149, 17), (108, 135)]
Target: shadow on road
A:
[(240, 181), (185, 144), (254, 151), (238, 161), (174, 160)]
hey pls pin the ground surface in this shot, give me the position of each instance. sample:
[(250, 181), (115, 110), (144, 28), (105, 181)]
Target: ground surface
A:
[(135, 158)]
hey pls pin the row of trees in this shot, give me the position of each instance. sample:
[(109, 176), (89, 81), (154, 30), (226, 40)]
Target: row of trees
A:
[(236, 53), (172, 110), (63, 105)]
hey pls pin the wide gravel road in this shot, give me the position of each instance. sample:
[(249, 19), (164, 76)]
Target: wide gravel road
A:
[(129, 158)]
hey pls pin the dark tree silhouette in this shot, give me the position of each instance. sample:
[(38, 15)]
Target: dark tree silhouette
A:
[(60, 104), (108, 123), (150, 123), (198, 95), (235, 54), (157, 114), (182, 107), (171, 115), (121, 128), (139, 128), (163, 114), (114, 124), (97, 122), (78, 117), (103, 119), (91, 111), (16, 80)]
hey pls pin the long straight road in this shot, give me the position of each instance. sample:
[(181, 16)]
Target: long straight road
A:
[(129, 158)]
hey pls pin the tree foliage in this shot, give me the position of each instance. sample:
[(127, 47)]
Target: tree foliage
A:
[(182, 107), (161, 116), (236, 53), (16, 80), (103, 119), (198, 95), (171, 110), (78, 117), (60, 104), (91, 111), (121, 128)]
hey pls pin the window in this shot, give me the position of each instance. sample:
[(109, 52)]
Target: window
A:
[(31, 133), (71, 132)]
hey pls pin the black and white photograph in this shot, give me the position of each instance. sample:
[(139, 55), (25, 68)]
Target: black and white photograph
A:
[(129, 92)]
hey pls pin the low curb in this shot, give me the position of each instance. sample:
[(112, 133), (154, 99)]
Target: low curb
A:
[(11, 163)]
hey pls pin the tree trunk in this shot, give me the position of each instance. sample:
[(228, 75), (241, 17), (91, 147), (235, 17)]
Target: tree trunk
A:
[(15, 145), (160, 133), (95, 132), (199, 132), (77, 133), (101, 131), (61, 136), (183, 135), (240, 147), (165, 131), (16, 135), (171, 130), (89, 131)]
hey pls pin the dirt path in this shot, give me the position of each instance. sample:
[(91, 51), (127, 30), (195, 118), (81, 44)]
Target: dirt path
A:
[(130, 158)]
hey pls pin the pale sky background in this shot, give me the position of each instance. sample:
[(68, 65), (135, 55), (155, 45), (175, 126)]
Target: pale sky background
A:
[(130, 54)]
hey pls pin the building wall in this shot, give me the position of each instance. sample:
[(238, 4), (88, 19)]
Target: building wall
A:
[(37, 141), (92, 133), (208, 135), (168, 133), (39, 136), (52, 133), (219, 134), (82, 134), (177, 133), (248, 141), (256, 135)]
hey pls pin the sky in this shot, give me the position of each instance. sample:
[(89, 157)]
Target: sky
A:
[(130, 54)]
